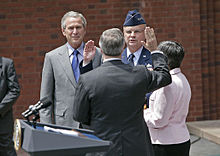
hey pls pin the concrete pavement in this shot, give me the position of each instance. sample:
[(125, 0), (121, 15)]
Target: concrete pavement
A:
[(208, 129), (203, 147), (205, 138)]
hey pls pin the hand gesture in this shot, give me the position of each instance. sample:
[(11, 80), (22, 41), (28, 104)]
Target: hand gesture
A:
[(89, 52), (151, 40)]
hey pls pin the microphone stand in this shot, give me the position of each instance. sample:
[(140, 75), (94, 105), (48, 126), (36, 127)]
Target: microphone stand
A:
[(35, 118)]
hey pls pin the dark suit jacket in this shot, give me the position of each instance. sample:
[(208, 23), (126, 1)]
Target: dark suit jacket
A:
[(145, 57), (9, 92), (110, 99), (58, 85)]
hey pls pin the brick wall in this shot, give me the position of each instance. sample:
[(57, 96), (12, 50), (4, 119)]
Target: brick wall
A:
[(210, 58), (29, 29)]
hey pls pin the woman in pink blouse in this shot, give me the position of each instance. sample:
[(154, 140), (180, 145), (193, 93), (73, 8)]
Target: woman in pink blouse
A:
[(168, 108)]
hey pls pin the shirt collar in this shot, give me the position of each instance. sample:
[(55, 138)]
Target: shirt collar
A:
[(175, 71), (136, 54), (80, 49), (111, 59)]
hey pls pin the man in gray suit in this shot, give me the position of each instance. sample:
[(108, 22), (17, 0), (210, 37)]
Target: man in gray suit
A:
[(110, 98), (61, 72), (9, 92)]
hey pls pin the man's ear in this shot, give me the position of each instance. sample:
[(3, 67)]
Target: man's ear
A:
[(101, 51), (63, 32)]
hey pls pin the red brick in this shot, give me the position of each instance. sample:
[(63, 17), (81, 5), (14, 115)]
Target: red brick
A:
[(31, 28)]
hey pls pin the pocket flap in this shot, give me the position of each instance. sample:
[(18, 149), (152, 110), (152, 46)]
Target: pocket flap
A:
[(60, 111)]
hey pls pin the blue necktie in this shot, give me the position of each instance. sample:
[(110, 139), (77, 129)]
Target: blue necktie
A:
[(75, 65), (130, 59)]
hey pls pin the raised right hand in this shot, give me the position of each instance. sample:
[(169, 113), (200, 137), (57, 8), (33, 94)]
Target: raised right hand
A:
[(89, 52)]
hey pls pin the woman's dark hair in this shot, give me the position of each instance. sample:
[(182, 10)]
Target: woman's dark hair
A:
[(174, 51)]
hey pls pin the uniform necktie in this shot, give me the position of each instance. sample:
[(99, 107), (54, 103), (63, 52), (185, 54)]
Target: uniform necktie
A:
[(75, 65), (131, 59)]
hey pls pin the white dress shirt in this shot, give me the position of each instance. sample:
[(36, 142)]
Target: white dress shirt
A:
[(137, 55), (80, 50), (168, 109)]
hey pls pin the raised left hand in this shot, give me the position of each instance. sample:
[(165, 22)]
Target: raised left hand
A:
[(151, 40)]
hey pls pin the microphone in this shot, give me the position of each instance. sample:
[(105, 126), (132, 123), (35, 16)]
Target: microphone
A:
[(43, 103), (28, 110)]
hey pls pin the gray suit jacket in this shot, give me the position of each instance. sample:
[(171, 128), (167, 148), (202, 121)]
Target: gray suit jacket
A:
[(58, 85), (110, 99), (9, 92)]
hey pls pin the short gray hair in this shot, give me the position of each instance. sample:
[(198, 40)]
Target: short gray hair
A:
[(74, 15), (112, 42)]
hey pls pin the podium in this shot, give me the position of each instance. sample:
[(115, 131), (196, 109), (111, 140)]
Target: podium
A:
[(36, 141)]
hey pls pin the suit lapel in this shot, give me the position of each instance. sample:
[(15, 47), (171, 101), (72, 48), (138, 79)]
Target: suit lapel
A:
[(145, 57), (63, 58), (124, 57)]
